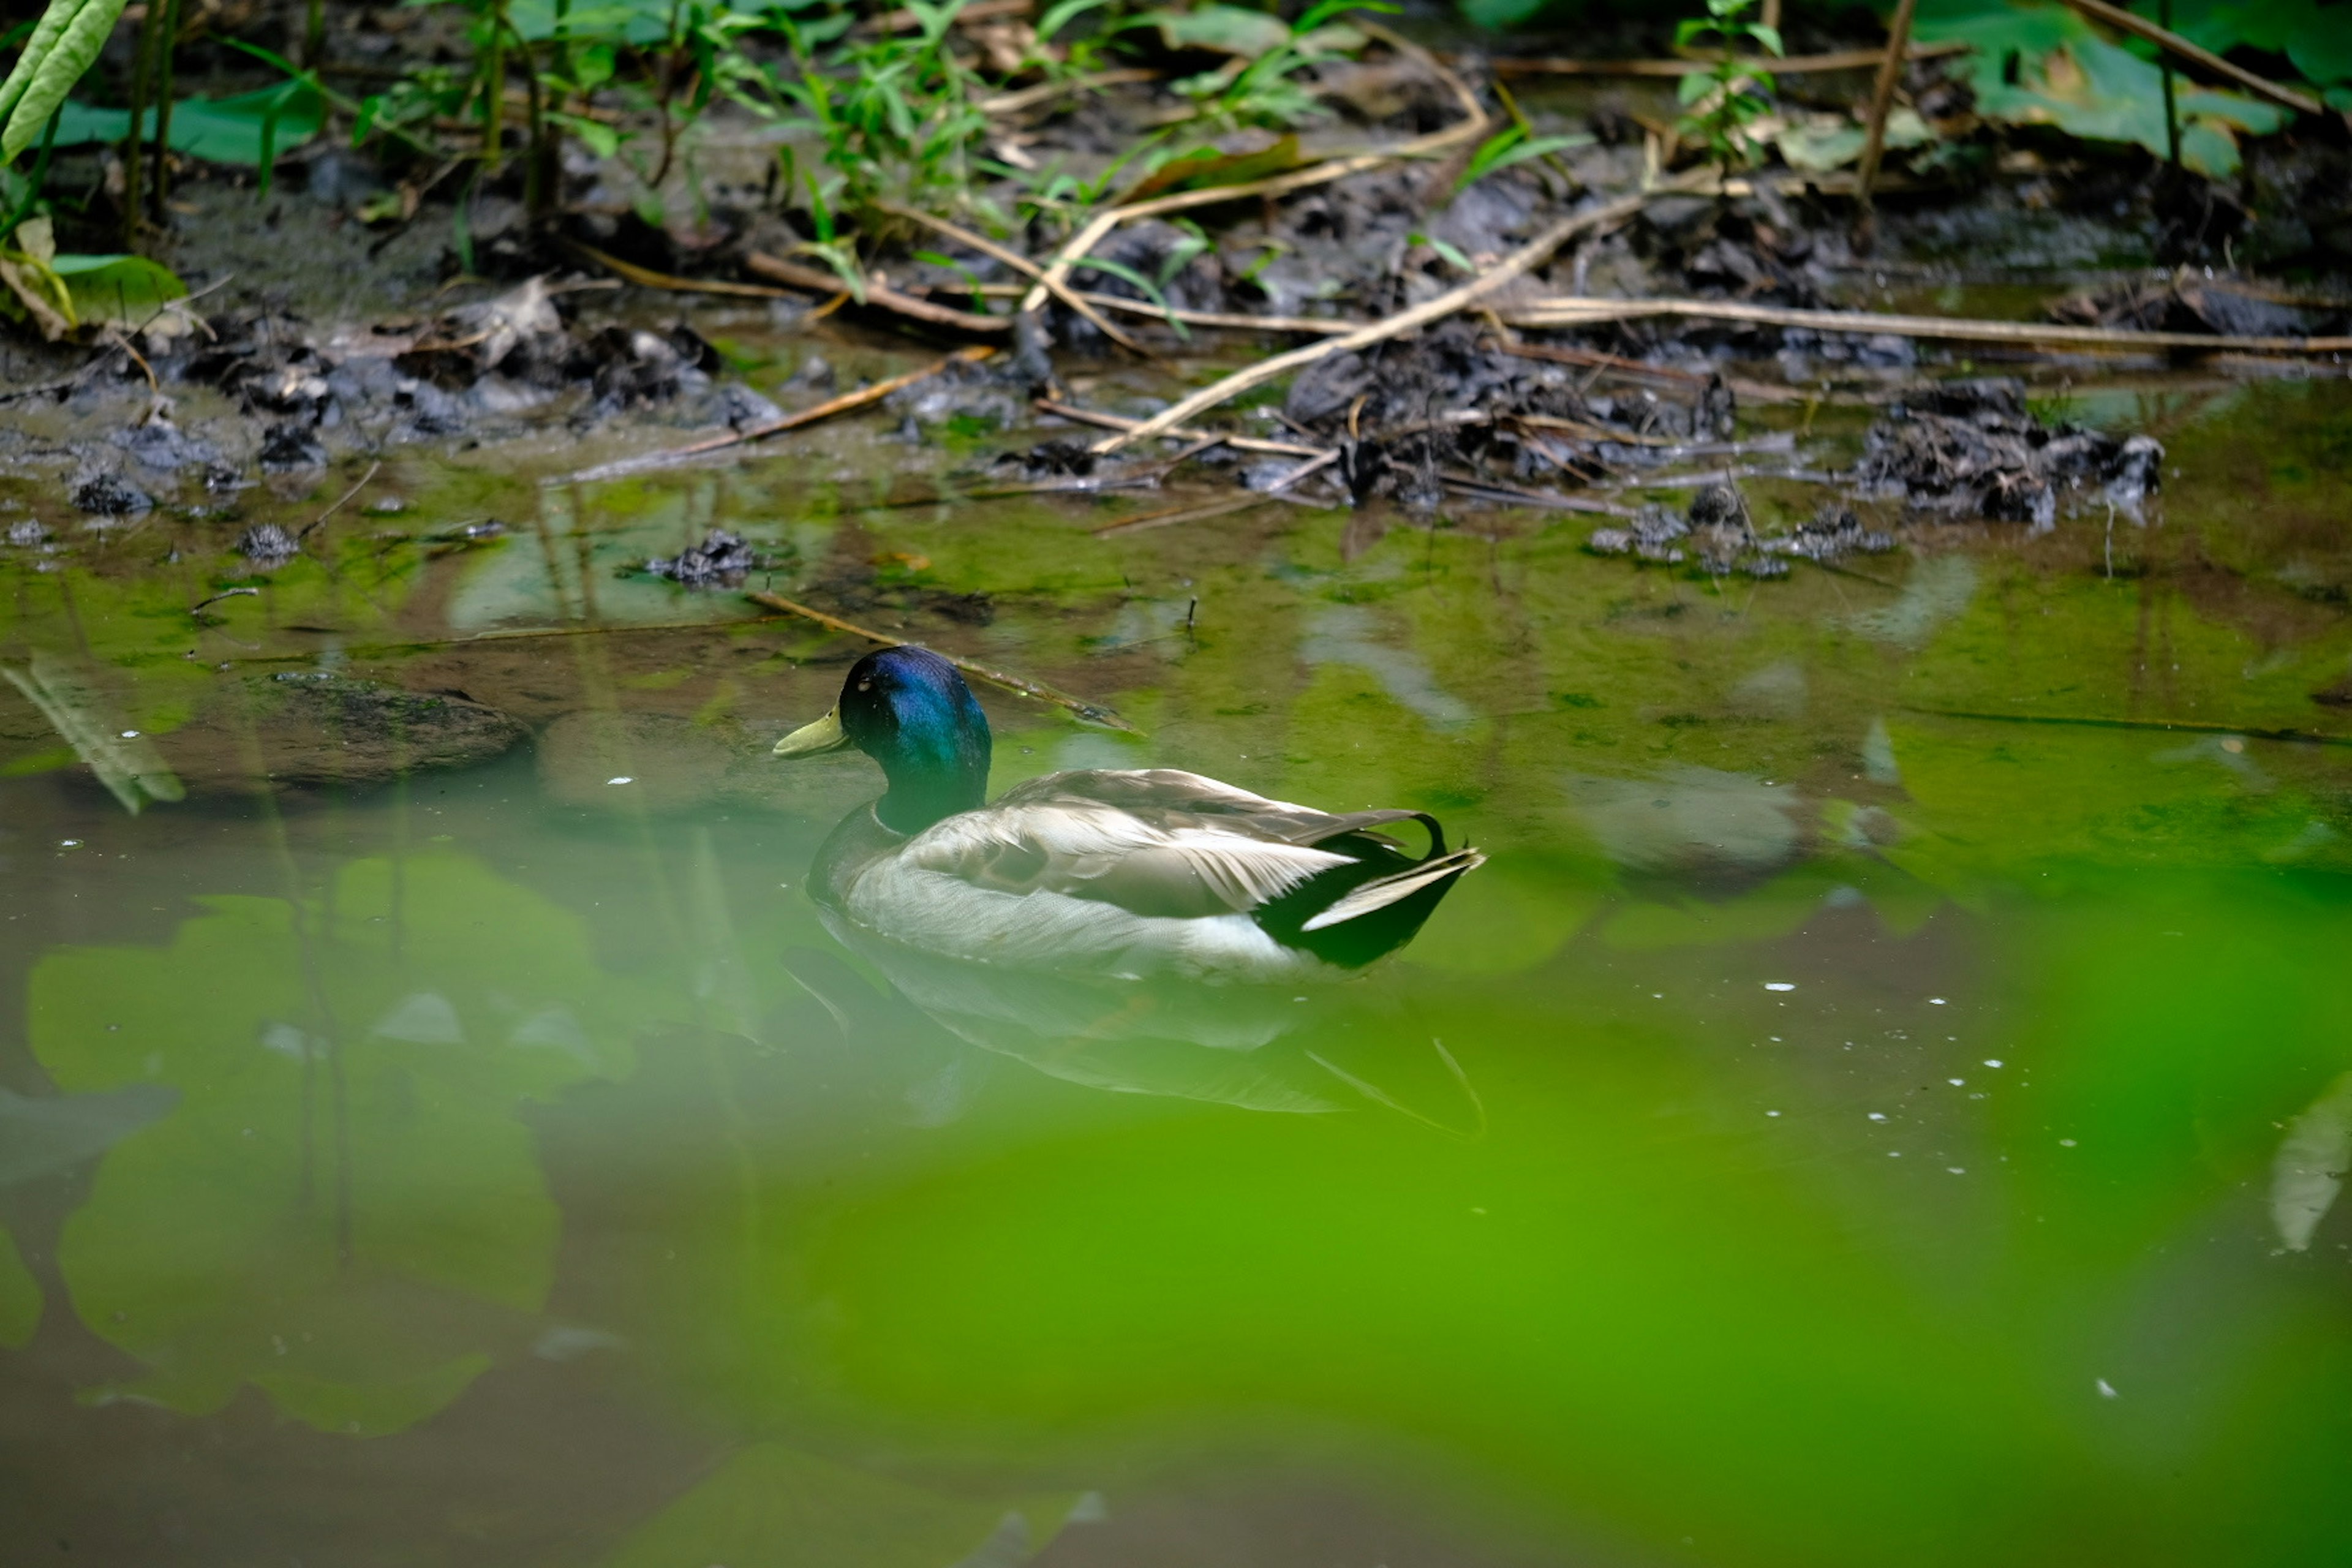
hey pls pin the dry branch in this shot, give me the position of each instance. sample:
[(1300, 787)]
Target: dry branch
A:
[(1882, 99), (847, 401), (1699, 65), (646, 278), (1047, 92), (1577, 311), (2269, 91), (1073, 256), (878, 294), (1092, 712), (1021, 264), (1517, 265)]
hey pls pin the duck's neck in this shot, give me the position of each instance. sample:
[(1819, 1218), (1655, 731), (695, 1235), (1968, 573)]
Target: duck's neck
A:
[(925, 789)]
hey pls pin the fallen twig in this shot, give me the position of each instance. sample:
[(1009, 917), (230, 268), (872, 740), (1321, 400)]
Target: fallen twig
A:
[(1487, 490), (1092, 712), (1517, 265), (1073, 255), (646, 278), (825, 410), (1022, 265), (1882, 99), (878, 294), (1579, 311), (2299, 737), (340, 501), (1198, 512), (1047, 92), (1699, 65), (1239, 443), (2269, 91)]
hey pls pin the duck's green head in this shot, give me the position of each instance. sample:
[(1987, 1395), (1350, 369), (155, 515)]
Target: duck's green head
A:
[(908, 709)]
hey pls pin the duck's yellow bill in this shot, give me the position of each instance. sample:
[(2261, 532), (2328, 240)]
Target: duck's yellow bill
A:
[(812, 740)]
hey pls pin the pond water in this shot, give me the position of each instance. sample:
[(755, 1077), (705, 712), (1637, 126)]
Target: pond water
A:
[(1881, 1101)]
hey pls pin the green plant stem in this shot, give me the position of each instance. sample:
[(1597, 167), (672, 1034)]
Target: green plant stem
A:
[(535, 177), (40, 175), (494, 92), (134, 162), (2171, 113), (160, 179)]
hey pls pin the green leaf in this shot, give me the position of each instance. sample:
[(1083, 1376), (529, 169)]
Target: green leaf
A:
[(595, 135), (54, 73), (219, 131), (1063, 14), (44, 35), (1222, 29)]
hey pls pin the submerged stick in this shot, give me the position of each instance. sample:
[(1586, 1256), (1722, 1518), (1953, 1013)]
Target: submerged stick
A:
[(1569, 311), (1517, 265), (2172, 43), (825, 410), (1092, 712), (1239, 443), (340, 501), (2297, 737)]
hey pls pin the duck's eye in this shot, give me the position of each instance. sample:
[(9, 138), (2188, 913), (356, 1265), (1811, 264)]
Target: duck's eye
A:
[(864, 686)]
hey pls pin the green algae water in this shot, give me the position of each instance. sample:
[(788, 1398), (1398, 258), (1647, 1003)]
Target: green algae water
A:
[(1881, 1101)]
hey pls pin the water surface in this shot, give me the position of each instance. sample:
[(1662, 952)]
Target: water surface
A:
[(1881, 1101)]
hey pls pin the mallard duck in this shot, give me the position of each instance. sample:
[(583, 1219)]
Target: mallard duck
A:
[(1117, 873)]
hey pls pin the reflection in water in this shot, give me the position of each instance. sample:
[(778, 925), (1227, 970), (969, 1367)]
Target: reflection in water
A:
[(342, 1208)]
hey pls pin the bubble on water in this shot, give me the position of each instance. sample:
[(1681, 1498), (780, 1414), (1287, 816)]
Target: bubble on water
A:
[(1955, 1082), (623, 779), (1780, 985), (1992, 1061), (1878, 1116), (130, 734), (69, 843), (1771, 1113), (2066, 1144), (1958, 1169), (1934, 1001), (2107, 1390)]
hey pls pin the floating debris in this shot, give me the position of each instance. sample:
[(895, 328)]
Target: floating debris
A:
[(1969, 449), (110, 495), (721, 561), (266, 545)]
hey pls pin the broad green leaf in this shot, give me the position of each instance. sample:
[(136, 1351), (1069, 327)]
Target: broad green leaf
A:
[(1222, 29), (120, 290), (219, 131)]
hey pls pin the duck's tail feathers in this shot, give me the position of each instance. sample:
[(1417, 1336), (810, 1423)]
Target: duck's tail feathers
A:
[(1384, 891)]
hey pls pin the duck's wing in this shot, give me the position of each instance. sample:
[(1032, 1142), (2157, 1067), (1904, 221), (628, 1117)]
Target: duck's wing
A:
[(1172, 797), (1162, 864)]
